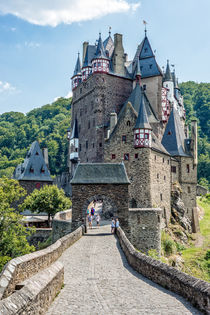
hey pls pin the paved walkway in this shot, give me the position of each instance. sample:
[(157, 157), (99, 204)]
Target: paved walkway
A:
[(98, 280)]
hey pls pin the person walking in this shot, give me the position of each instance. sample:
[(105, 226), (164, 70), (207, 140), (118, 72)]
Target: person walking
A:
[(90, 221), (112, 226), (98, 220), (117, 224)]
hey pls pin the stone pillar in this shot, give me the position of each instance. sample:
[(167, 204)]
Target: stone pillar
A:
[(85, 44), (118, 58)]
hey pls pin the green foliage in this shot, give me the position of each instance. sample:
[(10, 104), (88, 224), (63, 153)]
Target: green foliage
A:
[(167, 244), (49, 199), (13, 234), (48, 242), (47, 124)]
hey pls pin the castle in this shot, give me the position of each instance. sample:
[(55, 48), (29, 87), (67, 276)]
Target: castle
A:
[(131, 111)]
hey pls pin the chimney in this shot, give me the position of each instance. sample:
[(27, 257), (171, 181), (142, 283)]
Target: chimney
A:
[(113, 121), (45, 156), (126, 57), (194, 141), (85, 44), (118, 58)]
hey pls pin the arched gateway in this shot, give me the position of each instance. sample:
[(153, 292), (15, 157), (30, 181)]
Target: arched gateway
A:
[(100, 181)]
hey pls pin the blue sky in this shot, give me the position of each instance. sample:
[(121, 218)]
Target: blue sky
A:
[(39, 41)]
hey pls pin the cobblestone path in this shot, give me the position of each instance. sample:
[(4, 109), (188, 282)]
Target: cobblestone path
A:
[(98, 280)]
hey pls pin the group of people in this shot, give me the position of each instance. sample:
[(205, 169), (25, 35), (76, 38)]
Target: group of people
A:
[(91, 216), (114, 225)]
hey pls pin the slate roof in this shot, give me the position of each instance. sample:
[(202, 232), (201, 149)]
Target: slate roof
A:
[(109, 45), (100, 173), (34, 159), (74, 133), (135, 99), (90, 53), (100, 51), (148, 64), (142, 121), (77, 69), (167, 76), (174, 138)]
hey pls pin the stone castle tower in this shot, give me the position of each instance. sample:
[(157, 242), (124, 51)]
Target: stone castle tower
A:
[(129, 110)]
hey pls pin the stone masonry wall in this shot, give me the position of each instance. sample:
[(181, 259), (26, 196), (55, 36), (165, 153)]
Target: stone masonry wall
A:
[(19, 269), (36, 293), (93, 101), (194, 290), (160, 173), (82, 196), (144, 229), (138, 165), (62, 224)]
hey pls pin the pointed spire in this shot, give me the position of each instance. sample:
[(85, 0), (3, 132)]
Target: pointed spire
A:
[(100, 51), (77, 69), (142, 121), (168, 76), (110, 31)]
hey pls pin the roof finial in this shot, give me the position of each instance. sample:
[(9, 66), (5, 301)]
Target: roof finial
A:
[(145, 30), (99, 34), (110, 30)]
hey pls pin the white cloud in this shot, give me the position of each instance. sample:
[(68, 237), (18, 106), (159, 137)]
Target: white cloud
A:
[(32, 44), (69, 94), (13, 29), (52, 13), (6, 87)]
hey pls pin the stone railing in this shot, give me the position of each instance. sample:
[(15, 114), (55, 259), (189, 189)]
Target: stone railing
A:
[(36, 293), (21, 268), (194, 290), (62, 224)]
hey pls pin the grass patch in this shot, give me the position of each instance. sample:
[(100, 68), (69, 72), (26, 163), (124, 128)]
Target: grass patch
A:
[(197, 260)]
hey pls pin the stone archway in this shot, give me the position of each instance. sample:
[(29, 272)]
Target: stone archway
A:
[(109, 208)]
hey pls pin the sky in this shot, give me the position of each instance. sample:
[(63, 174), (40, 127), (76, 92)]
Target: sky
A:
[(39, 41)]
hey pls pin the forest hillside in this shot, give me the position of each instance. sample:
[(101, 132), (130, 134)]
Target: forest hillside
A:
[(49, 124)]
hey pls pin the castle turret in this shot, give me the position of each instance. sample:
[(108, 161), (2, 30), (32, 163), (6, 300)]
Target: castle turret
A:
[(168, 83), (194, 141), (142, 129), (118, 58), (77, 76), (100, 62)]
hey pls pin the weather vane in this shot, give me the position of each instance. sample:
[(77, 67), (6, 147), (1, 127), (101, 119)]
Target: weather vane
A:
[(110, 30), (145, 24)]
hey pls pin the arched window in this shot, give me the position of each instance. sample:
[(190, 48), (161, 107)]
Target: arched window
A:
[(128, 123)]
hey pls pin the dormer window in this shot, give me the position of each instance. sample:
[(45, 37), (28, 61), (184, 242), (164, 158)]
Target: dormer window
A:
[(31, 170), (145, 49), (150, 66), (37, 153), (42, 170)]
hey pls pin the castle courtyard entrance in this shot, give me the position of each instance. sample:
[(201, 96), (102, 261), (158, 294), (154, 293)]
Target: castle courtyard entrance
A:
[(103, 183)]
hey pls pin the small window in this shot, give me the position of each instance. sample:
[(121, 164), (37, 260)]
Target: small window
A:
[(88, 124), (157, 175), (37, 153), (100, 144), (136, 155), (145, 49), (161, 197), (168, 162), (93, 145), (86, 144), (128, 123), (163, 160), (150, 66), (126, 157), (164, 177), (124, 138), (113, 156), (173, 169), (188, 189), (31, 170), (42, 170), (144, 87), (94, 64), (155, 158), (169, 133), (188, 168)]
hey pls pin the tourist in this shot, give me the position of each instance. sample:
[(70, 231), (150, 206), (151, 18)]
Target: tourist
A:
[(92, 211), (117, 224), (98, 220), (112, 226), (90, 221)]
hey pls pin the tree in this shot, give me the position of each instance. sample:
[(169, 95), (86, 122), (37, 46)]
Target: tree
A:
[(13, 234), (49, 199)]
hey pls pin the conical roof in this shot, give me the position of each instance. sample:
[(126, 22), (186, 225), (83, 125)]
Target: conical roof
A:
[(74, 133), (142, 121), (168, 76), (174, 138), (90, 53), (34, 167), (100, 51), (148, 63), (77, 69)]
